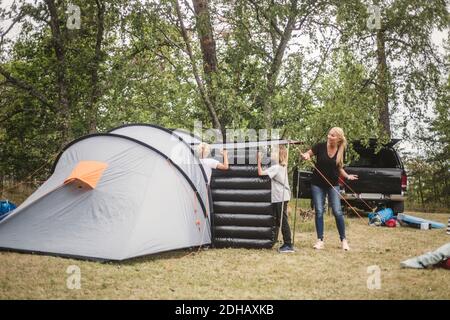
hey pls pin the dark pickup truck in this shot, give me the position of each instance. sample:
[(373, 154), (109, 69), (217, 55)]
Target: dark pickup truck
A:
[(382, 179)]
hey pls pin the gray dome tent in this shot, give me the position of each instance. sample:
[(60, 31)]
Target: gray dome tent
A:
[(115, 196), (174, 148), (139, 190)]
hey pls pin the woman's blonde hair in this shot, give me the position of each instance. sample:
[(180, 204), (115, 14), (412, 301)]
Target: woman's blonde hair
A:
[(283, 156), (342, 145), (203, 150)]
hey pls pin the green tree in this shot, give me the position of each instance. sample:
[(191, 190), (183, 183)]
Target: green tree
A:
[(405, 65)]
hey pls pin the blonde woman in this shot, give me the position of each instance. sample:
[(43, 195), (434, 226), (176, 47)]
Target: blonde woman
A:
[(281, 193), (329, 163), (204, 150)]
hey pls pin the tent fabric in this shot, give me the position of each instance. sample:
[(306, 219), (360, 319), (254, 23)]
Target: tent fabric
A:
[(88, 172), (187, 136), (143, 203), (174, 148)]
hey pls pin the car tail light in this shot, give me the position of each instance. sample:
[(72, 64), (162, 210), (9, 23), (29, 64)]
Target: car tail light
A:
[(404, 181)]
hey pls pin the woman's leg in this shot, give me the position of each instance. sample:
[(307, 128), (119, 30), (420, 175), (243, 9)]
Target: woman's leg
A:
[(318, 196), (335, 203)]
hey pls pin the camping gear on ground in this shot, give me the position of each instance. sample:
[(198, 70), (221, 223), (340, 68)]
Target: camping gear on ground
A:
[(425, 226), (420, 223), (380, 217), (6, 207), (114, 197), (429, 259), (375, 220), (446, 264), (391, 223)]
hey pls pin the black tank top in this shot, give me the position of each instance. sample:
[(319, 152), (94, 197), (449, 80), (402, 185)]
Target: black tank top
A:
[(326, 165)]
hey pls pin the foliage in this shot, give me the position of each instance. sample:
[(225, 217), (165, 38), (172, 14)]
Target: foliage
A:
[(298, 66)]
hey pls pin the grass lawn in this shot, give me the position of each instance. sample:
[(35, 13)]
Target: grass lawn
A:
[(247, 274)]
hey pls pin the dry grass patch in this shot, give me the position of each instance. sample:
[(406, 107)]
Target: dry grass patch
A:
[(246, 274)]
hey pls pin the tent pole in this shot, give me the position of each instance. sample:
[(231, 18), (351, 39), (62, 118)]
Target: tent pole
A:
[(296, 201)]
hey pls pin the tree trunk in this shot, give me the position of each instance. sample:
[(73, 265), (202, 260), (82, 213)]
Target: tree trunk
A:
[(277, 61), (201, 88), (434, 185), (383, 84), (208, 47), (272, 76), (421, 191), (205, 33), (95, 85), (446, 194), (63, 95)]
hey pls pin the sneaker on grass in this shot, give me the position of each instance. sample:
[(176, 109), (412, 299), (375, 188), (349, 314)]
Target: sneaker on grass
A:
[(286, 248)]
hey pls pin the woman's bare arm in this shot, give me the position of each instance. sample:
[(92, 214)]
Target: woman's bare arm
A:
[(347, 176), (307, 155)]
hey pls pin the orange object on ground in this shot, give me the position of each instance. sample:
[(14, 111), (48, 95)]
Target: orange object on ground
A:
[(88, 172)]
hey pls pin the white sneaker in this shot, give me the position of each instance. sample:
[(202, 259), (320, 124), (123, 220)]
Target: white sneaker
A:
[(345, 246), (319, 245)]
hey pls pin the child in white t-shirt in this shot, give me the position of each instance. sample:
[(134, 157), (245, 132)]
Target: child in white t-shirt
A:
[(204, 150), (281, 194)]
